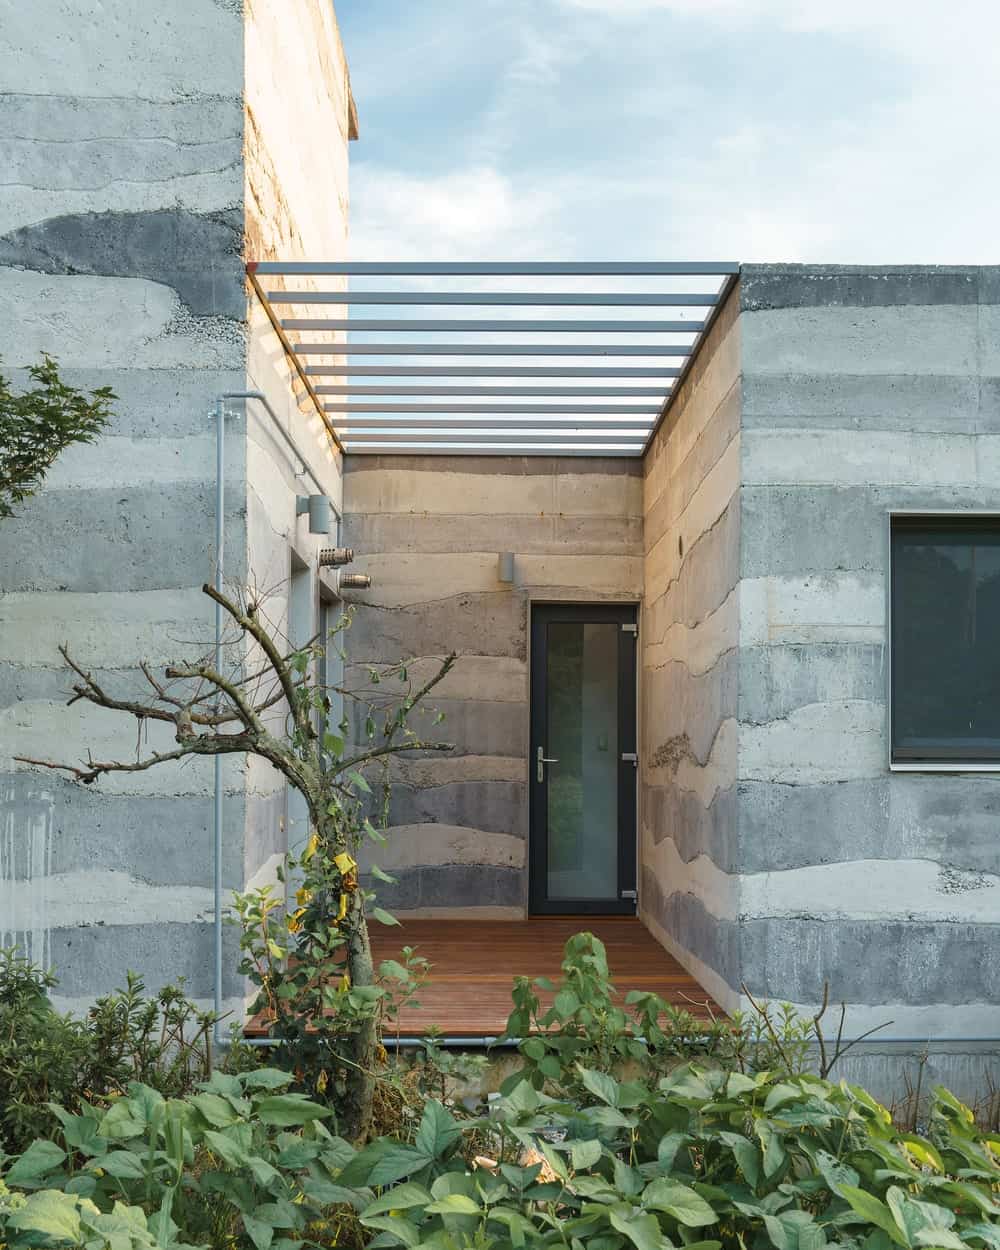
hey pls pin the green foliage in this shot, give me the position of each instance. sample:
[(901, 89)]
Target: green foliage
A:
[(46, 1057), (585, 1023), (700, 1158), (242, 1163), (36, 426)]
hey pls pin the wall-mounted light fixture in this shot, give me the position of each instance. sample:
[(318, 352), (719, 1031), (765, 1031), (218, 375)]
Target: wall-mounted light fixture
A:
[(505, 566), (318, 507)]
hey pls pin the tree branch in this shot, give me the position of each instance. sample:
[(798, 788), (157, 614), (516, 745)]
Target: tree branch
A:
[(392, 749), (205, 744), (249, 624)]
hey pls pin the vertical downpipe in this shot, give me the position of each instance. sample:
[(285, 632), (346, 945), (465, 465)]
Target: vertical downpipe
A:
[(220, 534)]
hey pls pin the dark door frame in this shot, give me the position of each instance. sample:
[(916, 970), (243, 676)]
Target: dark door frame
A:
[(623, 614)]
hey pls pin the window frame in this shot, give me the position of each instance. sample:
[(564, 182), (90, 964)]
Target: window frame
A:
[(940, 758)]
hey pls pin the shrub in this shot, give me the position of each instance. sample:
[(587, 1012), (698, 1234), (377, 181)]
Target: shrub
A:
[(703, 1159), (242, 1163), (46, 1057)]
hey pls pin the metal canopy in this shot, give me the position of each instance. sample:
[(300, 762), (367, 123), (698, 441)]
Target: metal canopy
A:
[(529, 378)]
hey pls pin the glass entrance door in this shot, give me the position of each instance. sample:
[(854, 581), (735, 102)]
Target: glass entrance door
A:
[(583, 762)]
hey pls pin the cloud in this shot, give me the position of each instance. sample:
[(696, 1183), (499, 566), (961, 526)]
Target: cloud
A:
[(473, 213), (647, 128)]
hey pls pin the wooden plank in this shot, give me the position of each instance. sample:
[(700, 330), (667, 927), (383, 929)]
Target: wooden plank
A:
[(474, 963)]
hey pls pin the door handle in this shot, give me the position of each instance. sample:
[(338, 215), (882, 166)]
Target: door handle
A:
[(541, 760)]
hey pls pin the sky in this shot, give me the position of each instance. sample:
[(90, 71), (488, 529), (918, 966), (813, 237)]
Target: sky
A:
[(749, 130)]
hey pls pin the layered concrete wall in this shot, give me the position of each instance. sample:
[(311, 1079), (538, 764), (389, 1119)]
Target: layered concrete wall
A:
[(689, 856), (429, 530), (125, 194), (863, 391), (299, 119), (120, 239)]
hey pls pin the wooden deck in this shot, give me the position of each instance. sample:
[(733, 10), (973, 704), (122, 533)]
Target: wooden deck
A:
[(474, 962)]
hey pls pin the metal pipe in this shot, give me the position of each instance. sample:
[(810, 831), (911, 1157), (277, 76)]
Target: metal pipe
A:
[(220, 535), (503, 392), (440, 324), (533, 299), (483, 371), (584, 268), (490, 349)]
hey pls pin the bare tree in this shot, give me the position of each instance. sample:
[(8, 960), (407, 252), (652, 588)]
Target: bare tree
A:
[(267, 703)]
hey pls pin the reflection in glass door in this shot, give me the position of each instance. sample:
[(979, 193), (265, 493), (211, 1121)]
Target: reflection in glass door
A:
[(583, 759)]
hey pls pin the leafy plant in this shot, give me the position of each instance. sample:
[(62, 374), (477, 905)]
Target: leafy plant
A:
[(38, 425), (701, 1158), (242, 1163), (585, 1022), (45, 1057)]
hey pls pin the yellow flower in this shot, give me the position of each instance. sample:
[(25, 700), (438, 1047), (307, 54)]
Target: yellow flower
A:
[(343, 907), (321, 1081), (312, 846), (345, 863), (345, 984), (294, 922), (303, 896)]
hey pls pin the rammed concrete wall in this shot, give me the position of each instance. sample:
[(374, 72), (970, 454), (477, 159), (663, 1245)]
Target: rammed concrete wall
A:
[(298, 125), (864, 390), (688, 845), (129, 178), (428, 529)]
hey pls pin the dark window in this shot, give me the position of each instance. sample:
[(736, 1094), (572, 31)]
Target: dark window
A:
[(946, 638)]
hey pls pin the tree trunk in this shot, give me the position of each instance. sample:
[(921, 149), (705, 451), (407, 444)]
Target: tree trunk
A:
[(357, 1113)]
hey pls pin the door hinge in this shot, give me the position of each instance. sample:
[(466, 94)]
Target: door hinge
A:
[(630, 757), (628, 894), (630, 627)]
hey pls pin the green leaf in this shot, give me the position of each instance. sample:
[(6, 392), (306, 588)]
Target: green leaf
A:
[(381, 875), (774, 1151), (565, 1004), (454, 1204), (834, 1172), (681, 1202), (51, 1213), (641, 1229), (259, 1231), (398, 1198), (333, 744), (398, 1229), (382, 916), (873, 1210), (122, 1164), (747, 1156), (38, 1160), (584, 1154), (360, 782), (289, 1109), (228, 1150), (396, 1162), (599, 1084), (779, 1094), (265, 1078), (215, 1109), (438, 1130)]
